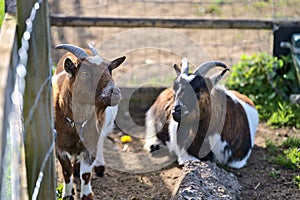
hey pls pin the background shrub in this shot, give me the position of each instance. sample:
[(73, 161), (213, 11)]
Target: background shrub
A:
[(268, 81)]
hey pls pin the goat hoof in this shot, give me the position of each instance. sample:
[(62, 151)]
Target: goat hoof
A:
[(68, 198), (99, 170), (76, 170), (88, 197)]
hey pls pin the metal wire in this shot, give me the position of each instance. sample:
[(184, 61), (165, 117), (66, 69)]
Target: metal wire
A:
[(18, 92)]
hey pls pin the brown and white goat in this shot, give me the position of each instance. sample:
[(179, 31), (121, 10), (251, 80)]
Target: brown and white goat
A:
[(85, 104), (199, 119)]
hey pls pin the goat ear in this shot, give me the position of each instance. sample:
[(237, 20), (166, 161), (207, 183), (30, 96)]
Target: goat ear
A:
[(116, 63), (69, 66), (217, 77), (178, 71)]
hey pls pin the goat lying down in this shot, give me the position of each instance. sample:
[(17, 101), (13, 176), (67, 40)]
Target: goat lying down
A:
[(199, 119), (85, 105)]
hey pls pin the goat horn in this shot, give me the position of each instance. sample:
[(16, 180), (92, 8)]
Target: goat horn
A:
[(205, 67), (93, 49), (77, 51), (216, 78)]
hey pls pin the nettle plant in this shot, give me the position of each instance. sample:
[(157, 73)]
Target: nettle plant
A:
[(268, 81)]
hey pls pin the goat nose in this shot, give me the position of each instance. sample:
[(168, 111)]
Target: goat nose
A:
[(176, 113)]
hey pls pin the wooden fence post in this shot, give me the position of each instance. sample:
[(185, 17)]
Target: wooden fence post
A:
[(38, 134), (7, 44)]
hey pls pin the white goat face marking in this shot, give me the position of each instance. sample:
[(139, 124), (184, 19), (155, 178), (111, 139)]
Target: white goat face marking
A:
[(109, 86), (186, 88), (184, 66), (95, 59), (188, 78)]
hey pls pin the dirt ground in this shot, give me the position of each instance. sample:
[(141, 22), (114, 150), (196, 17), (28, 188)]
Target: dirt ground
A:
[(224, 45), (255, 178)]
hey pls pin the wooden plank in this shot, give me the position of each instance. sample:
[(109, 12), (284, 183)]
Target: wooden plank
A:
[(38, 133), (167, 22), (7, 38)]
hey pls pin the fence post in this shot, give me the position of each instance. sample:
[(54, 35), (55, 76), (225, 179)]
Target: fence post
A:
[(7, 45), (38, 134)]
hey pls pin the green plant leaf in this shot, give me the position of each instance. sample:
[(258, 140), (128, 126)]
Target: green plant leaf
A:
[(264, 78)]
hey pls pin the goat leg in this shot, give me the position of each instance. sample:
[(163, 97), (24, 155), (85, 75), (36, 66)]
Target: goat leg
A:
[(67, 173), (86, 167), (99, 162)]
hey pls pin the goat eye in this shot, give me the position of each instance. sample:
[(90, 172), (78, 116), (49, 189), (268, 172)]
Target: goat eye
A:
[(84, 73)]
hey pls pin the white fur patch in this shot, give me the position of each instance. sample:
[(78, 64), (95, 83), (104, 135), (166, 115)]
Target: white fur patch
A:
[(86, 189), (150, 136), (107, 89), (240, 163), (184, 66), (108, 125), (218, 147), (56, 76), (65, 153), (95, 59), (110, 116), (182, 155), (188, 78), (67, 191)]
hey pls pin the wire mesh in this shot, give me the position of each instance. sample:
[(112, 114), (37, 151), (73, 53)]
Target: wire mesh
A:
[(17, 126), (227, 45)]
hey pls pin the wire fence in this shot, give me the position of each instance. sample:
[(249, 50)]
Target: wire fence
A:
[(13, 183), (227, 45), (224, 44)]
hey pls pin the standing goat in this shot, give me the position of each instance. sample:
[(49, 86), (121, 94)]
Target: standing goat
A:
[(85, 104), (200, 119)]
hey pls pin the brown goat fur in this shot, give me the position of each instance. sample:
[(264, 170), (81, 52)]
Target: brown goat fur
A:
[(243, 98), (83, 89), (162, 108), (219, 126)]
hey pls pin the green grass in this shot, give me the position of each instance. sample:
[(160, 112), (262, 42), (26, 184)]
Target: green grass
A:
[(297, 181), (274, 173), (2, 12), (291, 142), (267, 81), (59, 190), (286, 154), (272, 147)]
